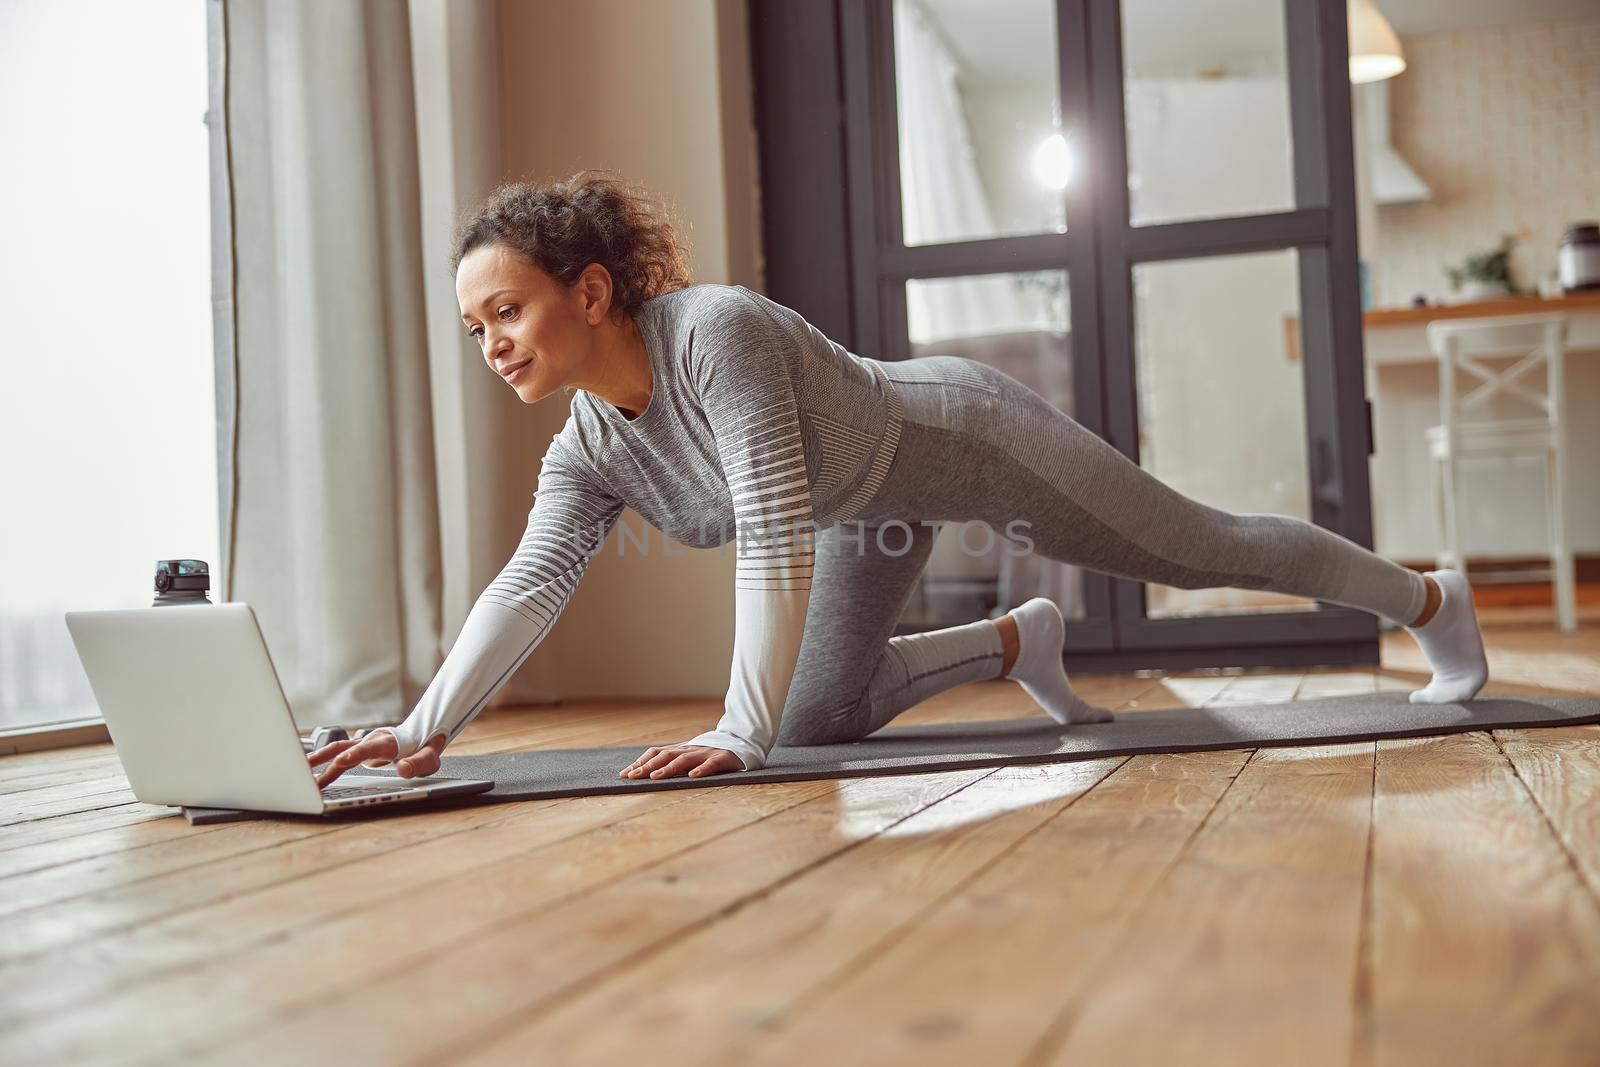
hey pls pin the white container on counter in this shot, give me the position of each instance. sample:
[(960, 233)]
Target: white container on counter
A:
[(1578, 259)]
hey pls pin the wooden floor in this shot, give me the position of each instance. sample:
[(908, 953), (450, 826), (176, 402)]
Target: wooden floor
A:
[(1431, 900)]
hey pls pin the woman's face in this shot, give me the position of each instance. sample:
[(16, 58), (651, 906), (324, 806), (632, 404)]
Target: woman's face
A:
[(519, 315)]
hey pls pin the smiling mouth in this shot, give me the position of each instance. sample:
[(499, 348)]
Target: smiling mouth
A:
[(515, 371)]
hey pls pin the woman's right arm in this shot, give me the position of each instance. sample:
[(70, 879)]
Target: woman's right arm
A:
[(571, 517)]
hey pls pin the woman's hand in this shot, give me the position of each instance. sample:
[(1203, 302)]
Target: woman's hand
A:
[(669, 761), (374, 750)]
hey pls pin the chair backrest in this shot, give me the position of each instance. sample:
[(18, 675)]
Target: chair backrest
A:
[(1463, 344)]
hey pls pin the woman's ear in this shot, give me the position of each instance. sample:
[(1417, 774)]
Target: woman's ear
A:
[(595, 285)]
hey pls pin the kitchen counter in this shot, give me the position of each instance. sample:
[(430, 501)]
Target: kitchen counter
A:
[(1588, 300), (1398, 335)]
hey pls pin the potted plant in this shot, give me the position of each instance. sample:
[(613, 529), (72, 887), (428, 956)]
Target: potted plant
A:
[(1485, 275)]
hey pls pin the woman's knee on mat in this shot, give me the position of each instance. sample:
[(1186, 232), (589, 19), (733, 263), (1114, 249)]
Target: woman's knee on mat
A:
[(816, 725), (828, 718)]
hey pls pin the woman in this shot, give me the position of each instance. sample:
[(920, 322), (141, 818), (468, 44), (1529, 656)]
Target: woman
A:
[(718, 414)]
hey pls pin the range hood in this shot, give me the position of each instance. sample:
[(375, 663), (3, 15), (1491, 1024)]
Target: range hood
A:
[(1393, 179)]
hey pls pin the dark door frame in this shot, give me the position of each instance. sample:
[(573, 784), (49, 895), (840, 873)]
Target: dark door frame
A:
[(825, 107)]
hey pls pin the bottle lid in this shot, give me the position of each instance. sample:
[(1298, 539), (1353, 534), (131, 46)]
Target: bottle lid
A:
[(182, 580), (1582, 233)]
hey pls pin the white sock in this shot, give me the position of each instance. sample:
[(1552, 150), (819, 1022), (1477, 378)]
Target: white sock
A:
[(1041, 632), (1453, 644)]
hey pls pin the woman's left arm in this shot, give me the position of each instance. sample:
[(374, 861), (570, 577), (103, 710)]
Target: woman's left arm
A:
[(741, 364)]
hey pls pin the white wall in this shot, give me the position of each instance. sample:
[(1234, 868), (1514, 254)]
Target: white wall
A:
[(662, 94), (1504, 125)]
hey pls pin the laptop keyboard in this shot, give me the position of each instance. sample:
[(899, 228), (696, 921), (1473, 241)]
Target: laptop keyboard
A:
[(340, 792)]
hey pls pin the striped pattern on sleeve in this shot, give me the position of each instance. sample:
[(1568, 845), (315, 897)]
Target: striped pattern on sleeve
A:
[(743, 366)]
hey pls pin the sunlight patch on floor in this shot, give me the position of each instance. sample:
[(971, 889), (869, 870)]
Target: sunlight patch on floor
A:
[(1009, 789)]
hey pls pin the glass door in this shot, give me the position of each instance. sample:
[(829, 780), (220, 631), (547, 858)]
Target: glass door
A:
[(967, 126), (1145, 212)]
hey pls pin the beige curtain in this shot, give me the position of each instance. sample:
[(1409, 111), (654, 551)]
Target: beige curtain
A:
[(353, 410), (356, 132)]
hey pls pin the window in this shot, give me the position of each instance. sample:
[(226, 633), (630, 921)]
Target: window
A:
[(108, 413)]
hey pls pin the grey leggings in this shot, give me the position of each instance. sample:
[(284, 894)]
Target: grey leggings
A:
[(977, 444)]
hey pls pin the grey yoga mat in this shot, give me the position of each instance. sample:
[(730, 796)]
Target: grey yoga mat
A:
[(563, 772)]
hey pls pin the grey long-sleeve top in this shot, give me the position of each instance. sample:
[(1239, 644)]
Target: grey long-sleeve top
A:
[(759, 428)]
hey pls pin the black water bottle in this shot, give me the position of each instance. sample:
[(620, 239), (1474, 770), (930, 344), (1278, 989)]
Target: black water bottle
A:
[(182, 581)]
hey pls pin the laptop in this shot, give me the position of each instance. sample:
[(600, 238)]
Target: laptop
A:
[(199, 719)]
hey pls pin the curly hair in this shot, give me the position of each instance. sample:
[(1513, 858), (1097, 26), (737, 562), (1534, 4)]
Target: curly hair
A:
[(563, 226)]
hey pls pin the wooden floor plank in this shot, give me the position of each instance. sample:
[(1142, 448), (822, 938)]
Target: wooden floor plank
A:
[(810, 932), (942, 974), (178, 854), (24, 764), (94, 841), (448, 847), (975, 979), (541, 729), (1264, 908), (1266, 904), (104, 951), (793, 918), (547, 950), (1336, 683), (26, 783), (44, 831), (252, 835), (397, 935), (69, 799), (83, 869), (124, 892), (1178, 692), (1484, 945), (1561, 769), (1257, 688)]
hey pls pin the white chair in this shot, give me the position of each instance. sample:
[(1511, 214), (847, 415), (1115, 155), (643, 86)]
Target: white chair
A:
[(1467, 431)]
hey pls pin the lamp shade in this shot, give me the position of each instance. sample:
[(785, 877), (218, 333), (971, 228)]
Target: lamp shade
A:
[(1374, 49)]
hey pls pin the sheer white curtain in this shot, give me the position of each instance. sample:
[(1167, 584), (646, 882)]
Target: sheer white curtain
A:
[(943, 199), (941, 196)]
